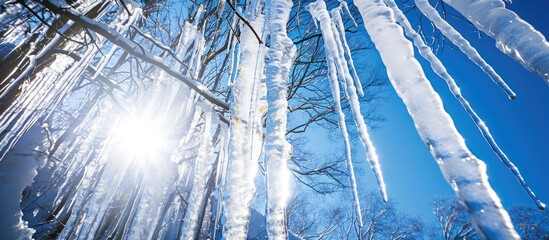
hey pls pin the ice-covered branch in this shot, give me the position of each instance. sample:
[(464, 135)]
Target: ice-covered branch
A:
[(132, 48), (514, 36), (463, 170)]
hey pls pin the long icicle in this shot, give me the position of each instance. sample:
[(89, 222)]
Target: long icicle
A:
[(462, 170), (277, 150), (319, 12), (463, 45), (338, 22), (350, 93), (242, 168), (514, 36), (441, 71)]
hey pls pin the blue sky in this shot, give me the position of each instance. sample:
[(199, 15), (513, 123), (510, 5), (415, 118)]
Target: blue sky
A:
[(520, 126)]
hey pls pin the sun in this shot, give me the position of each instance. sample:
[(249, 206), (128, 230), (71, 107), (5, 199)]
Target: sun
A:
[(139, 137)]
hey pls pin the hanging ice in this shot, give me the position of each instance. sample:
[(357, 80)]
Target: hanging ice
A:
[(350, 93), (203, 167), (463, 171), (514, 36), (337, 67), (464, 45), (338, 23), (243, 163), (277, 150), (440, 70)]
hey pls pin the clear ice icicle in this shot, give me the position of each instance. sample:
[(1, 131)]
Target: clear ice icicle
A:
[(462, 170), (338, 22), (319, 13), (440, 70), (350, 93), (462, 43), (514, 36)]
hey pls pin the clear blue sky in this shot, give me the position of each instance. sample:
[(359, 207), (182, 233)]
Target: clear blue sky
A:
[(520, 126)]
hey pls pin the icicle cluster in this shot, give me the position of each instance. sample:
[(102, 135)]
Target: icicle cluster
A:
[(440, 70), (336, 49), (464, 45), (43, 90), (96, 187), (463, 171)]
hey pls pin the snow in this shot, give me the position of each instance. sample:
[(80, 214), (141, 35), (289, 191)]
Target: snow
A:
[(514, 36), (16, 173), (462, 170)]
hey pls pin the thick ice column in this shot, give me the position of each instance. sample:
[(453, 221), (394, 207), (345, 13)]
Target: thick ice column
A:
[(277, 150), (514, 36), (242, 169), (463, 171)]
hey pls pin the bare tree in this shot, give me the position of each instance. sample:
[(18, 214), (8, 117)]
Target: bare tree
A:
[(531, 223), (453, 221)]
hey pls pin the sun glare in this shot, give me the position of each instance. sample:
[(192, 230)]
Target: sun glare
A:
[(139, 137)]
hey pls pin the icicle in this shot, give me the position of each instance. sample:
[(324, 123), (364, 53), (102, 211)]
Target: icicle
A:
[(232, 62), (350, 93), (338, 22), (464, 45), (48, 87), (441, 71), (463, 171), (277, 150), (514, 36), (319, 13), (242, 169), (191, 221)]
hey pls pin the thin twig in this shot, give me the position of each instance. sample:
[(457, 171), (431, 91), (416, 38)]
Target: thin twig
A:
[(245, 21)]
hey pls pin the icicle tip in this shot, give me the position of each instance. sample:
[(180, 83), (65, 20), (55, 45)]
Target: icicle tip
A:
[(541, 205)]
